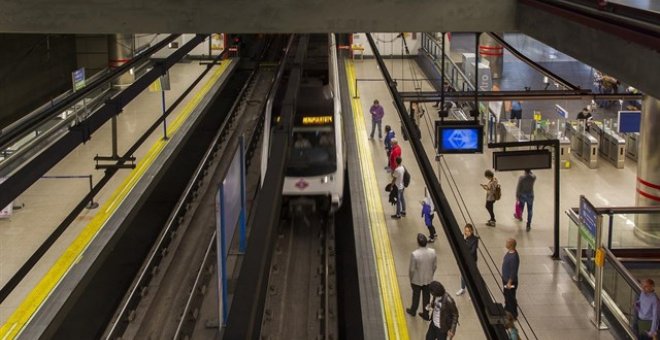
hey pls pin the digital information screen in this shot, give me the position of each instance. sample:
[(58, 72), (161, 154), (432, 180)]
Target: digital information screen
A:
[(629, 121), (459, 138), (521, 160)]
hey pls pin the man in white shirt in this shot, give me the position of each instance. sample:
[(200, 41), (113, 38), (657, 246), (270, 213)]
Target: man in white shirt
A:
[(423, 263), (397, 179)]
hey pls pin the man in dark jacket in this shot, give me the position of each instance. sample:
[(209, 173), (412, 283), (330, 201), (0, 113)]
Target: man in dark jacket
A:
[(444, 314), (525, 194), (472, 242), (510, 266)]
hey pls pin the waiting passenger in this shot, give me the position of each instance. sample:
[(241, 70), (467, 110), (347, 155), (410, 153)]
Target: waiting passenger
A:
[(394, 154), (472, 242), (525, 196), (389, 135), (491, 188), (423, 263), (397, 179), (647, 311), (301, 142)]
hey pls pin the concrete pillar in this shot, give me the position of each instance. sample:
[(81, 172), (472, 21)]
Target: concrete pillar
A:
[(120, 51), (490, 50), (648, 169)]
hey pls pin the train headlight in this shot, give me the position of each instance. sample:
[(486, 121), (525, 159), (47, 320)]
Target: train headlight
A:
[(325, 179)]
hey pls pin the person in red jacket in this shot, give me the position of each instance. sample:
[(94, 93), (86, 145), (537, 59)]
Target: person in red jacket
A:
[(394, 154)]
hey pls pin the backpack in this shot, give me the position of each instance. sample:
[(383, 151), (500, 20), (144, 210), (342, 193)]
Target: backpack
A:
[(498, 192), (406, 178)]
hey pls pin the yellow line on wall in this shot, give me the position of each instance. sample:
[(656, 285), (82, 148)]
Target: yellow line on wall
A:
[(395, 321), (74, 252)]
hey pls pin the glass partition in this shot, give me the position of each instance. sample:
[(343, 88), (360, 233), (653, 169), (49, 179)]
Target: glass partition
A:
[(626, 230), (621, 290)]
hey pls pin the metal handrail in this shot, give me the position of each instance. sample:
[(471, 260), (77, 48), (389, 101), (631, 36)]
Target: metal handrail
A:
[(453, 64), (454, 68), (23, 126), (625, 273)]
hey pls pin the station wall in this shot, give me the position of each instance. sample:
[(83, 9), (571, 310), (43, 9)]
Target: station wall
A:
[(33, 69)]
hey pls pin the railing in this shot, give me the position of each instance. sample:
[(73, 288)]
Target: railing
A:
[(453, 74), (21, 138), (619, 228), (620, 288)]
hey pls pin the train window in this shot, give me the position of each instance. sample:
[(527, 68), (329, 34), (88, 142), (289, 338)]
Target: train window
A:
[(312, 153)]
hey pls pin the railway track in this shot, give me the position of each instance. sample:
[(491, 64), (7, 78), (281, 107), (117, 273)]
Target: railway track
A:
[(164, 299), (301, 301)]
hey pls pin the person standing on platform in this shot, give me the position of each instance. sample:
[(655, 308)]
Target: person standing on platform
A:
[(510, 266), (444, 314), (472, 242), (389, 135), (525, 195), (428, 213), (647, 311), (394, 153), (423, 263), (377, 114), (492, 188), (397, 179), (516, 109)]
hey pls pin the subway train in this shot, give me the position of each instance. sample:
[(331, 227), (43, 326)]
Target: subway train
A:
[(317, 152)]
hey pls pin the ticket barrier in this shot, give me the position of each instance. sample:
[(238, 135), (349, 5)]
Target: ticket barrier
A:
[(632, 145), (612, 146), (508, 131), (583, 144), (553, 129)]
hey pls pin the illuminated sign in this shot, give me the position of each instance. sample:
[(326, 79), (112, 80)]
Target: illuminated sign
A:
[(317, 120), (453, 138)]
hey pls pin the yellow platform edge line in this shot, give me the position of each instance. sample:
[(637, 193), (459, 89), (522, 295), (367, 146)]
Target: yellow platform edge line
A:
[(392, 306), (73, 253)]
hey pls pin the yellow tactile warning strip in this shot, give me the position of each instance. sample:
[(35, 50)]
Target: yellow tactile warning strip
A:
[(71, 255), (396, 327)]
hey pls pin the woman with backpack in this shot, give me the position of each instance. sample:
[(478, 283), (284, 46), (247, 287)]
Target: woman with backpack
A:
[(493, 193)]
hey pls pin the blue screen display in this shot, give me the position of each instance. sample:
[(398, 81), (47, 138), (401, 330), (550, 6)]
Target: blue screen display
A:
[(629, 121), (460, 139)]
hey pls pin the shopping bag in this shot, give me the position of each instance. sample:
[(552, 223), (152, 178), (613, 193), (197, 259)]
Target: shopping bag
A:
[(518, 210)]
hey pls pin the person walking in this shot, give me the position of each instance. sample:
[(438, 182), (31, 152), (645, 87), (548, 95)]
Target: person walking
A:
[(646, 308), (444, 314), (472, 242), (491, 187), (377, 114), (516, 109), (389, 135), (423, 263), (397, 180), (394, 153), (428, 213), (525, 195), (510, 266)]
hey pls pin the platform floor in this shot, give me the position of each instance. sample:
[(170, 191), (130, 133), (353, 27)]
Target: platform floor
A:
[(551, 303), (49, 201), (547, 296)]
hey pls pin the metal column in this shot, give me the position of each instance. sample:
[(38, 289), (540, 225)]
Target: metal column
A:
[(491, 50), (120, 51), (648, 168)]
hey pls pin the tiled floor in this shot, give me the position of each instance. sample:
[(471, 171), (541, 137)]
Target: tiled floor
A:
[(551, 303), (48, 201)]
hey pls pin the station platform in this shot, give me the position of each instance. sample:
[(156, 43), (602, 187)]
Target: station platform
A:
[(46, 203), (551, 303)]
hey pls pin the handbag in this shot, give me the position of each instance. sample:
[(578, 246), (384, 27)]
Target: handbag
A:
[(518, 210)]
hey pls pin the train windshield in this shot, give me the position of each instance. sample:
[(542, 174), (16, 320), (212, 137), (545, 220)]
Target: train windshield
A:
[(312, 152)]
